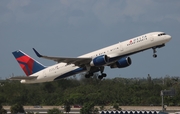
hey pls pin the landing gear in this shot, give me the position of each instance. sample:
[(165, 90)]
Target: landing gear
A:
[(88, 75), (154, 55), (102, 74), (92, 70), (154, 51), (100, 77)]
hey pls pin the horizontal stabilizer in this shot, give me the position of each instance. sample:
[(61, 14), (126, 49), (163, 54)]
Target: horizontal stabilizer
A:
[(23, 78)]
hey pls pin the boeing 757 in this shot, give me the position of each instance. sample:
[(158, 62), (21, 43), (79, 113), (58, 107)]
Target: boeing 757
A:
[(114, 56)]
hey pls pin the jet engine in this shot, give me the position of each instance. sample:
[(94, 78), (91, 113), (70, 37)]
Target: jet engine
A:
[(99, 61), (122, 63)]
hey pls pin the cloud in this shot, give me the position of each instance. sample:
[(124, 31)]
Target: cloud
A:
[(78, 12), (109, 12)]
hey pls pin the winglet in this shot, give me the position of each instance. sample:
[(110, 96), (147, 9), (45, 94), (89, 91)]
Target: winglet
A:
[(39, 55)]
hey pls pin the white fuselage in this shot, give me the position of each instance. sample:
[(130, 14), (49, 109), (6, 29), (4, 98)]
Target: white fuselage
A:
[(125, 48)]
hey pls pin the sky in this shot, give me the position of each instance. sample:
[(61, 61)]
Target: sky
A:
[(70, 28)]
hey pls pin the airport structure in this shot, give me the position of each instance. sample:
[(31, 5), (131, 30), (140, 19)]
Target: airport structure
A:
[(128, 112), (109, 109)]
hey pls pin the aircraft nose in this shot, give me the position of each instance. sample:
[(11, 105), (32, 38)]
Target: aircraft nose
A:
[(168, 37)]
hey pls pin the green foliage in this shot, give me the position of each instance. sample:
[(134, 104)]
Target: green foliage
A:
[(30, 113), (67, 107), (116, 106), (123, 91), (54, 111), (88, 108), (17, 108), (101, 107), (1, 107), (2, 110)]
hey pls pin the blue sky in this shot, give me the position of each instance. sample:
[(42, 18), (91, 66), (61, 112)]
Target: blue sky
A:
[(75, 27)]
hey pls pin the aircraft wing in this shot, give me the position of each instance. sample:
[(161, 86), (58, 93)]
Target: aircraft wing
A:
[(76, 61), (23, 78)]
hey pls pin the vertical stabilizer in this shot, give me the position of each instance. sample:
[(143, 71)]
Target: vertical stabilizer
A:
[(27, 63)]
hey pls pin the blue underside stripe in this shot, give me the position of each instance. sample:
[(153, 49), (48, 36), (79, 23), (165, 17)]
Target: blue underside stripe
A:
[(73, 72)]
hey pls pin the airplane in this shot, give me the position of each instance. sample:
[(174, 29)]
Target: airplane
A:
[(114, 56)]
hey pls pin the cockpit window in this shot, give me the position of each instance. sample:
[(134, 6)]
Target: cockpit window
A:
[(161, 34)]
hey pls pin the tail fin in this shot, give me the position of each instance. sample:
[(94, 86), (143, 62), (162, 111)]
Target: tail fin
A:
[(27, 63)]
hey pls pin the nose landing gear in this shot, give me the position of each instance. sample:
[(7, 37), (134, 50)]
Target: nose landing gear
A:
[(154, 55)]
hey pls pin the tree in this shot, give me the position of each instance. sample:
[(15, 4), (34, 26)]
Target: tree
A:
[(116, 106), (149, 78), (102, 107), (54, 111), (2, 110), (67, 107), (17, 108), (87, 108), (30, 113), (95, 111), (124, 91)]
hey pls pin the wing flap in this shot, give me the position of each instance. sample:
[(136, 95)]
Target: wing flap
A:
[(23, 78)]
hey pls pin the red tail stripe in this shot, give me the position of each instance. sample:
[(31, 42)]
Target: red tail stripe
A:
[(24, 69), (28, 61)]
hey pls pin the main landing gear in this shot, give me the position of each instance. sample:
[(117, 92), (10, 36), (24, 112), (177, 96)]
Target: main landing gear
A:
[(101, 69), (88, 75), (154, 52), (102, 74), (99, 77)]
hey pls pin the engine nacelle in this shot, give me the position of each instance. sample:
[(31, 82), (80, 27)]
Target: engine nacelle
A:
[(100, 60), (122, 63)]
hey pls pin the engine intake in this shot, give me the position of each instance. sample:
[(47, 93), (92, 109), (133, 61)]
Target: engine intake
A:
[(99, 61), (122, 63)]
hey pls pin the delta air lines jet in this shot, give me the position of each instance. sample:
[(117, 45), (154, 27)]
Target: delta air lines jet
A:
[(114, 56)]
